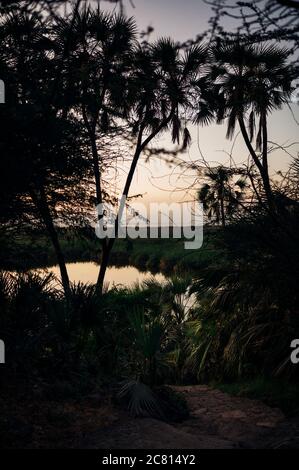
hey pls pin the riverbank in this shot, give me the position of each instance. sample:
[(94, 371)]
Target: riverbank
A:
[(33, 250), (137, 339)]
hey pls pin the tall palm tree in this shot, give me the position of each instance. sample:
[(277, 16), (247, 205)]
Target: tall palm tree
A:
[(95, 73), (95, 76), (161, 88), (114, 82), (251, 81), (221, 196)]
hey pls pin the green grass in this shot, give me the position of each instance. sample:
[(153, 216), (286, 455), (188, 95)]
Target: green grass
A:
[(275, 393)]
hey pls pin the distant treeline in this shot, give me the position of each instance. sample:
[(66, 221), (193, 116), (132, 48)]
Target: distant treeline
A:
[(34, 250)]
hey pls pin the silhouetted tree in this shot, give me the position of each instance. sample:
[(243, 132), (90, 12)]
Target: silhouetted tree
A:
[(251, 82), (95, 75), (42, 153), (161, 90), (221, 195), (258, 20), (114, 84)]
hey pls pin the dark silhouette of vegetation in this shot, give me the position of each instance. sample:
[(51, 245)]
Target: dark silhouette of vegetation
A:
[(259, 20), (221, 196), (42, 151), (252, 82), (84, 93)]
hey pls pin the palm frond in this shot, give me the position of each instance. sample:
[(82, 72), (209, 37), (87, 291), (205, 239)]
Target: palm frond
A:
[(141, 400)]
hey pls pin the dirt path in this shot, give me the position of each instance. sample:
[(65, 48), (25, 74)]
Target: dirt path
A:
[(217, 421)]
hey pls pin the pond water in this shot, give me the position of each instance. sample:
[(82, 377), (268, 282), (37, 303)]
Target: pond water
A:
[(88, 272)]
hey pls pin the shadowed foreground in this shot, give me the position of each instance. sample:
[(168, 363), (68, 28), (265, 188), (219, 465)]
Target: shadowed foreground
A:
[(217, 421)]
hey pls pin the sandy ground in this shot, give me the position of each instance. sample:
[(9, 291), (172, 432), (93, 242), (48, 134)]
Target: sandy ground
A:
[(217, 421)]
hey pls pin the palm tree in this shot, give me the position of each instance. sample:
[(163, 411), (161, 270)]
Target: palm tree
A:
[(115, 83), (95, 73), (161, 89), (95, 78), (221, 196), (251, 81)]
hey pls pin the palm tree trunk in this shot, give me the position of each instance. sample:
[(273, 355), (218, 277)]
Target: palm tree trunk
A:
[(265, 176), (262, 167), (140, 146), (95, 157), (43, 207), (106, 250), (107, 247), (99, 197)]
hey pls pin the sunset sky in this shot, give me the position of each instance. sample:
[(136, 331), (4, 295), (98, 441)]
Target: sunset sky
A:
[(183, 20)]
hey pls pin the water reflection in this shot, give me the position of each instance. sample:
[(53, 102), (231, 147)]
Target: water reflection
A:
[(88, 273)]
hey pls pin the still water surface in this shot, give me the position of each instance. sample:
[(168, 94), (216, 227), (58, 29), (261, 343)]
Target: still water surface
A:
[(88, 273)]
